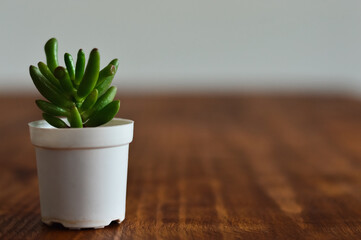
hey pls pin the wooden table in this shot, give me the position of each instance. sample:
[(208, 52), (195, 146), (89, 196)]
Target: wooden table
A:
[(222, 167)]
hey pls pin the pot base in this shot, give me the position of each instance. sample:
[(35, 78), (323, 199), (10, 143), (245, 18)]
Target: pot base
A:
[(78, 225)]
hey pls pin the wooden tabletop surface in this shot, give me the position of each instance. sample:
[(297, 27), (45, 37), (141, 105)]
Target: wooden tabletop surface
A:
[(221, 167)]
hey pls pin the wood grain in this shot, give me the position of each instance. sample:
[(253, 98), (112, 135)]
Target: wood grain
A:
[(203, 167)]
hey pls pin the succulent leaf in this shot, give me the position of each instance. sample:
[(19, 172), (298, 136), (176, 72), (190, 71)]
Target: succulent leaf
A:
[(104, 100), (69, 63), (79, 68), (74, 118), (48, 90), (51, 52), (91, 74), (103, 84), (108, 71), (51, 108), (89, 101), (62, 74), (105, 115), (54, 121), (49, 75)]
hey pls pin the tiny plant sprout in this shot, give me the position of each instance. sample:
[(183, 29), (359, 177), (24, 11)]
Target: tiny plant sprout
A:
[(81, 92)]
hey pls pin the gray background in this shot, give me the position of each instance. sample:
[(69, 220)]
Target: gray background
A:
[(192, 45)]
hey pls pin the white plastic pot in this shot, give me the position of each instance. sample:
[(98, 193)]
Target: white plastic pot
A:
[(82, 172)]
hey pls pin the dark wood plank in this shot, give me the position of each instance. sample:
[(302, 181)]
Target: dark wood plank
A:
[(206, 167)]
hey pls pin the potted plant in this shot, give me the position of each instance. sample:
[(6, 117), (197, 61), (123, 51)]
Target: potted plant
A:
[(81, 149)]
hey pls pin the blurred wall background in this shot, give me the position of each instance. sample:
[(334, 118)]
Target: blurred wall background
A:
[(192, 45)]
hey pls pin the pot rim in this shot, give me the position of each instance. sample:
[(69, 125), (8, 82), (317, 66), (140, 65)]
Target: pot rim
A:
[(117, 132), (42, 124)]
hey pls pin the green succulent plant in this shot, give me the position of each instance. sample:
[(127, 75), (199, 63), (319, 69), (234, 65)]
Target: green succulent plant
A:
[(80, 93)]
